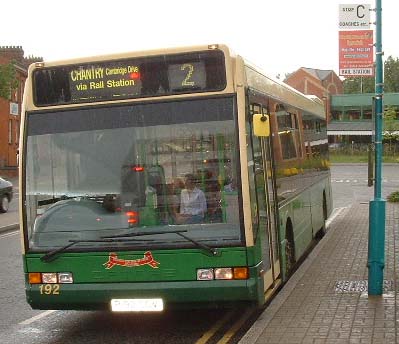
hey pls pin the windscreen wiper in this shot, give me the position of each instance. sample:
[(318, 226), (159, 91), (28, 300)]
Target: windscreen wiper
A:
[(207, 248), (50, 256), (134, 234)]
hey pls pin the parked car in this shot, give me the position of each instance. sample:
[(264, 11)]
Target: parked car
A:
[(6, 193)]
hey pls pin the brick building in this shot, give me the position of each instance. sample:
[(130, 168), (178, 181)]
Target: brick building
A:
[(318, 82), (10, 109)]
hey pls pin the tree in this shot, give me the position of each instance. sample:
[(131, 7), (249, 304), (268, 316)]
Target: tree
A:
[(367, 84), (391, 126), (8, 80), (359, 85), (391, 75)]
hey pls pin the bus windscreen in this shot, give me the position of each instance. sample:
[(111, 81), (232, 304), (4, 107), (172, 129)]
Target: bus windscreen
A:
[(152, 76)]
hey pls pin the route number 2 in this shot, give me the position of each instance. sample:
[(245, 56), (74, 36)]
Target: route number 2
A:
[(190, 71)]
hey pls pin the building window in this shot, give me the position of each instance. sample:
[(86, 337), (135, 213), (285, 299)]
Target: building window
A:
[(16, 132), (9, 131), (367, 114), (336, 115), (353, 114)]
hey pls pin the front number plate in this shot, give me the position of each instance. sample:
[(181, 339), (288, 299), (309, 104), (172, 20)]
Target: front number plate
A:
[(137, 305)]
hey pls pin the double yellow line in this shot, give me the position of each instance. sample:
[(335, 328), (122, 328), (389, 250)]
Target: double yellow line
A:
[(231, 331)]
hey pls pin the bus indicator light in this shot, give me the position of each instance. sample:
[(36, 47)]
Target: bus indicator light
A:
[(35, 278), (240, 273)]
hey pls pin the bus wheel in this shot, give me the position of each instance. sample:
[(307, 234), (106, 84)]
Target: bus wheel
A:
[(4, 204), (322, 230), (289, 250)]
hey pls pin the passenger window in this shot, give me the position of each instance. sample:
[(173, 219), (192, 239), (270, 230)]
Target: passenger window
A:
[(289, 134)]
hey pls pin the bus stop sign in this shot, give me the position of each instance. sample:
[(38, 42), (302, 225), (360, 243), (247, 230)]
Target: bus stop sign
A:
[(354, 17)]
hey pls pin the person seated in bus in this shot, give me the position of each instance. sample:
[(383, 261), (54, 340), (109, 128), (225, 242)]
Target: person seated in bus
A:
[(173, 198), (211, 187), (230, 185), (192, 202)]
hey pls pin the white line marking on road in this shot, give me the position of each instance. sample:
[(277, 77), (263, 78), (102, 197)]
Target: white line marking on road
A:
[(334, 214), (9, 234), (393, 181), (36, 317)]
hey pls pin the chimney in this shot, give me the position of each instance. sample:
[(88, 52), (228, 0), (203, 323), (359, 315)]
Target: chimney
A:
[(9, 53)]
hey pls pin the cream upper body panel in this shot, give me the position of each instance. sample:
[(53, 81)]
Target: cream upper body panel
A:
[(29, 104), (283, 93)]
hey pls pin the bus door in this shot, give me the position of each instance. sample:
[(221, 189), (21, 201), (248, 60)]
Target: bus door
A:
[(267, 204)]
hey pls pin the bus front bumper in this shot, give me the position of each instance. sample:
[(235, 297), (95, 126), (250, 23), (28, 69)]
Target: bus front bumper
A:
[(96, 296)]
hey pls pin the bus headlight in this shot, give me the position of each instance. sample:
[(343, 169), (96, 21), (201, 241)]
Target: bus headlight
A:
[(224, 273), (65, 277), (232, 273), (205, 274), (49, 277)]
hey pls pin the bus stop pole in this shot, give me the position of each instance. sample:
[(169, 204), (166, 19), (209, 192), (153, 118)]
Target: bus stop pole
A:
[(376, 247), (370, 164)]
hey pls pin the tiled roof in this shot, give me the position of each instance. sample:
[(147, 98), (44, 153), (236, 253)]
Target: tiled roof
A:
[(318, 73)]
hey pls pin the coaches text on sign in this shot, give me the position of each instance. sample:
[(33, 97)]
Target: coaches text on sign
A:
[(354, 17)]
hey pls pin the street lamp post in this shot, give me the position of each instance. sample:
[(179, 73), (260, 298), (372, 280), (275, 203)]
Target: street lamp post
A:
[(376, 247), (355, 81)]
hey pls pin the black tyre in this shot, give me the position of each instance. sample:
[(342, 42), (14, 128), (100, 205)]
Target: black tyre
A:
[(324, 207), (4, 204), (289, 250), (322, 231)]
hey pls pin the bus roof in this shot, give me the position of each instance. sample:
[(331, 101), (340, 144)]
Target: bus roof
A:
[(280, 91), (255, 78), (132, 54)]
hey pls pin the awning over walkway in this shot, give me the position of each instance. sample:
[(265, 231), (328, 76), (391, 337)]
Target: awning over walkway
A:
[(358, 128), (350, 132)]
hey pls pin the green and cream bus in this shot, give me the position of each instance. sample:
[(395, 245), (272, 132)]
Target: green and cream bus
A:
[(106, 143)]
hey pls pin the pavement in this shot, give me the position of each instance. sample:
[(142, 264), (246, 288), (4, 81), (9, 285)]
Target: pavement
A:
[(326, 299)]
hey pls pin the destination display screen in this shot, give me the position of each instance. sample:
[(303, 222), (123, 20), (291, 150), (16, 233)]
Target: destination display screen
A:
[(130, 78)]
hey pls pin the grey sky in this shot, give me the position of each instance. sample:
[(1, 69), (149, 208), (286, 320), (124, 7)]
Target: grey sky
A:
[(277, 35)]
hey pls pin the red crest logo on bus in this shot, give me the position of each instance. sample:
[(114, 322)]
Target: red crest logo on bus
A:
[(148, 259)]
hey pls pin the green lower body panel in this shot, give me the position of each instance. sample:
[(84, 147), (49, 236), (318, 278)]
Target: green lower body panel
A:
[(193, 294)]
